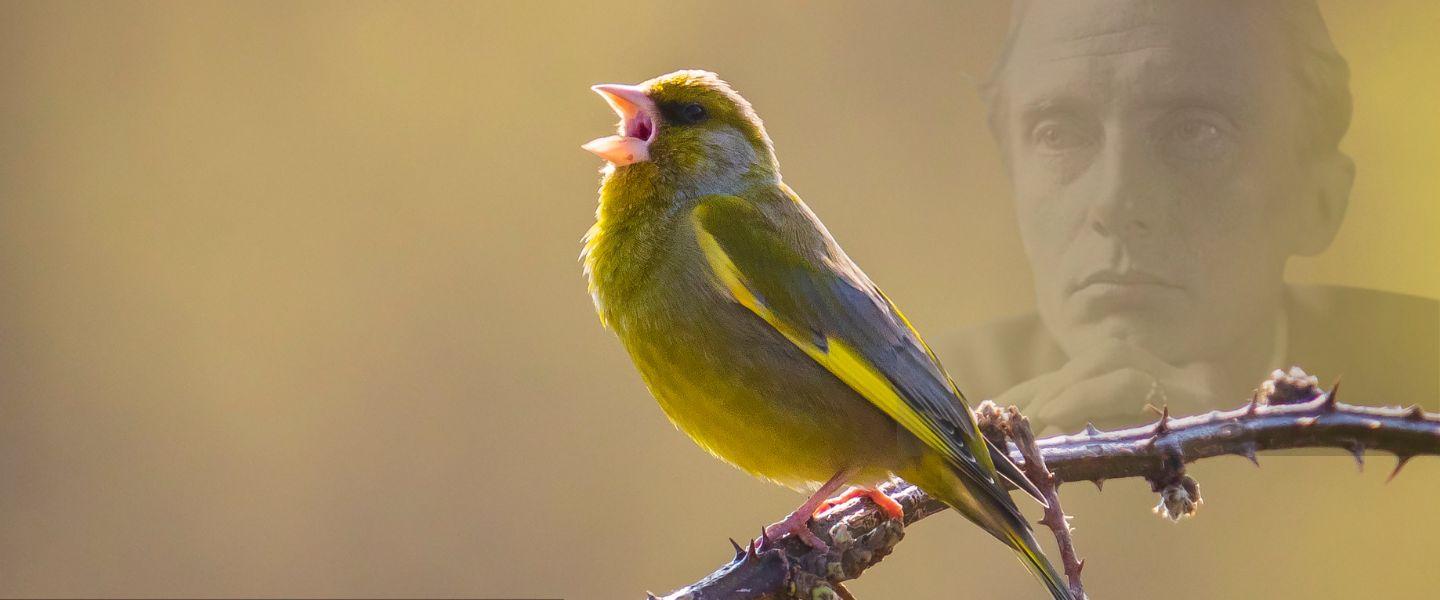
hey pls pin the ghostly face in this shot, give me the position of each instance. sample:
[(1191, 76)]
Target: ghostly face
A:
[(1153, 149)]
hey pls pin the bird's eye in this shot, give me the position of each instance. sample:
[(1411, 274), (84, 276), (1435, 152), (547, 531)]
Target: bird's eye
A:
[(688, 113), (692, 113)]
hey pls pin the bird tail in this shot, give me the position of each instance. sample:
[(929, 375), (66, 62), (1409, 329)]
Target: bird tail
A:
[(994, 512), (1023, 541)]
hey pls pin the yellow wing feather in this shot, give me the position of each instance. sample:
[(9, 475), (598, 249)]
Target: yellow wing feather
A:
[(837, 357)]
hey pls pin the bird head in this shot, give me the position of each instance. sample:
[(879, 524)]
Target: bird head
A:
[(687, 126)]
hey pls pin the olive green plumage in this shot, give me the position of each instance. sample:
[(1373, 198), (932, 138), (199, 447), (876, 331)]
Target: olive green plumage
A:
[(760, 338)]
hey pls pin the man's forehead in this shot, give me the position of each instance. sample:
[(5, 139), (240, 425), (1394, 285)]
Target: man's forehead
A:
[(1050, 28), (1175, 44), (1103, 26)]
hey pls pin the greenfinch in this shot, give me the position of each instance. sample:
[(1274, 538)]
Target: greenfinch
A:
[(758, 336)]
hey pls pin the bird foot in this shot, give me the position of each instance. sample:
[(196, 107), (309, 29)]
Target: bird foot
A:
[(886, 503), (798, 525)]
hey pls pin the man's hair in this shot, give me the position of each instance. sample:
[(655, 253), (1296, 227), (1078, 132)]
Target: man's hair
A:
[(1317, 68)]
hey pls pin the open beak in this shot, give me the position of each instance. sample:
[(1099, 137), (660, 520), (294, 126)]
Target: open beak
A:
[(637, 125)]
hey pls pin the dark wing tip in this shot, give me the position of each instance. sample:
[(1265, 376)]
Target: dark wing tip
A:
[(1014, 475)]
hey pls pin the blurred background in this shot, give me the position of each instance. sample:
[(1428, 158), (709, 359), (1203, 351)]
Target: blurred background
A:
[(290, 306)]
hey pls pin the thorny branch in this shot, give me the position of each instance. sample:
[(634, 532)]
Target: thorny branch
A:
[(1288, 411), (1001, 424)]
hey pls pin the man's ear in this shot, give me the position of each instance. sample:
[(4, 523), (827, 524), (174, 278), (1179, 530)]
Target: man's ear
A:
[(1322, 209)]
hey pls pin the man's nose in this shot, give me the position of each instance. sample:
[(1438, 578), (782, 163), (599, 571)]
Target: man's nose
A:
[(1125, 206)]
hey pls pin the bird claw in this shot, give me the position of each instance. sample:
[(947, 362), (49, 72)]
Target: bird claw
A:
[(887, 504), (798, 527)]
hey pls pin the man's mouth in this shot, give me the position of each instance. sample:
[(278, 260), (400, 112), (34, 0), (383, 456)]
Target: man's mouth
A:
[(1126, 277), (637, 125)]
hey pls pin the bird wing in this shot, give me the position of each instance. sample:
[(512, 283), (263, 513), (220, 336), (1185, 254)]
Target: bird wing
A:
[(848, 326)]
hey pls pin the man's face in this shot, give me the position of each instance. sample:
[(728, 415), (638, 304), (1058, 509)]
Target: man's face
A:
[(1153, 152)]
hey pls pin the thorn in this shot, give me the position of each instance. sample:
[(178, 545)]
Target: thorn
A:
[(739, 552), (1248, 451), (1090, 429), (1415, 413), (750, 549), (1163, 425), (1080, 567), (1358, 451), (1404, 458), (1331, 396), (1099, 484), (764, 540)]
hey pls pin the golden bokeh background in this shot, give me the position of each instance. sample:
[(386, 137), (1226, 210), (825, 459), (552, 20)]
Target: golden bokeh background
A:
[(289, 301)]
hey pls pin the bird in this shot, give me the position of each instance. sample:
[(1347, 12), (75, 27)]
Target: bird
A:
[(759, 337)]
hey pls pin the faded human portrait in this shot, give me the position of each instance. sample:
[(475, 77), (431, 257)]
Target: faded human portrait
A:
[(1167, 160)]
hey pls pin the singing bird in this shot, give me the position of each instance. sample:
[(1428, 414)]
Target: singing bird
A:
[(758, 336)]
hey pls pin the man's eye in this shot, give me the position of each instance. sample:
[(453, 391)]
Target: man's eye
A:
[(1196, 140), (1055, 136)]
